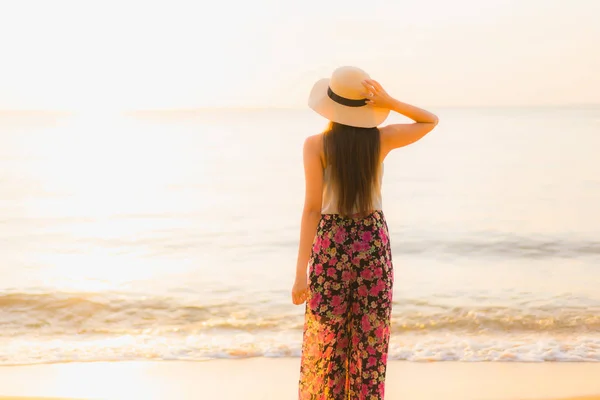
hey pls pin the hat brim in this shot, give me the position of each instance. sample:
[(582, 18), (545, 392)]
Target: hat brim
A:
[(366, 116)]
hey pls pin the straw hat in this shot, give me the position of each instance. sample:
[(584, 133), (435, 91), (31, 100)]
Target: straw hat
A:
[(340, 99)]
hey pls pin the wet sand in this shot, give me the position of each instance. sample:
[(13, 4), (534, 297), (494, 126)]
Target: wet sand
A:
[(276, 379)]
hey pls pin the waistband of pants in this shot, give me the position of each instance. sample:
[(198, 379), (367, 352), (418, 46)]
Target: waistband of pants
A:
[(353, 219)]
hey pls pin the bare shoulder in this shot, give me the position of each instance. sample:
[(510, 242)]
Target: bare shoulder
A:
[(384, 134), (385, 130), (314, 140), (313, 145)]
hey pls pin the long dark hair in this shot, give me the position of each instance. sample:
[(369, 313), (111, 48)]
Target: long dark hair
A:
[(353, 155)]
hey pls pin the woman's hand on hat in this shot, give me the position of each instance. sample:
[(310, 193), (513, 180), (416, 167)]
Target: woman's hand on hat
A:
[(376, 94)]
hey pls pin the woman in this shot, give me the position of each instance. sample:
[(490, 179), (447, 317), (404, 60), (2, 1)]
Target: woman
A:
[(348, 290)]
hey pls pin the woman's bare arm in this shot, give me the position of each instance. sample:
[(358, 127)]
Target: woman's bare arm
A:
[(311, 214), (399, 135)]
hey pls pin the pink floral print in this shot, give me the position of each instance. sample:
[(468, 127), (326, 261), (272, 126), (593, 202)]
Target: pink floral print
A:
[(347, 314)]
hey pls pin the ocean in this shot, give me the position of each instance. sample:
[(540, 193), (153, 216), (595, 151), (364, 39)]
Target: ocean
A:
[(173, 235)]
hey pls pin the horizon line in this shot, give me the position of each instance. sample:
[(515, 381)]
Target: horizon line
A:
[(257, 108)]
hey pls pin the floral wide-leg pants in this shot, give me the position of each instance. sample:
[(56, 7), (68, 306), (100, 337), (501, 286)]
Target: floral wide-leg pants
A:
[(348, 310)]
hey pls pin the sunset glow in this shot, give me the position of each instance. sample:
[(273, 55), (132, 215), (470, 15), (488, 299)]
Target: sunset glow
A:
[(138, 55)]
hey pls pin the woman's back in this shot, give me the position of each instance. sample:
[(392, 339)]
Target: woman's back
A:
[(330, 196), (352, 170)]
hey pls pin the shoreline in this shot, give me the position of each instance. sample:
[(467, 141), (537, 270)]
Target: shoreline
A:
[(276, 379)]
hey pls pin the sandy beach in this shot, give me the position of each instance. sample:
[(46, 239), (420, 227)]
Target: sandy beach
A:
[(268, 379)]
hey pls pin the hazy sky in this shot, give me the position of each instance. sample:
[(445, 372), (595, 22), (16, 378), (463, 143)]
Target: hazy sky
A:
[(165, 54)]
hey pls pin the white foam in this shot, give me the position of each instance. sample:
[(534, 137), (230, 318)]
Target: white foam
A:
[(539, 347)]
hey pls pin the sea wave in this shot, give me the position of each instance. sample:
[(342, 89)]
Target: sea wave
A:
[(488, 244), (51, 314), (539, 347)]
